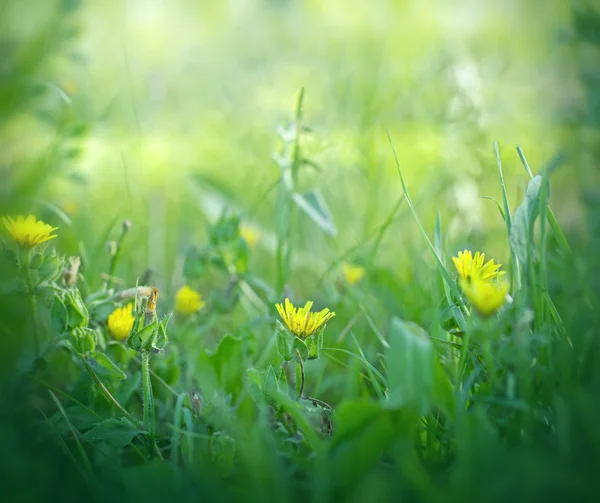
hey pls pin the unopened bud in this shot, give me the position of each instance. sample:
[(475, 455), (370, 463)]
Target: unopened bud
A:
[(151, 306), (126, 225), (71, 272), (111, 248)]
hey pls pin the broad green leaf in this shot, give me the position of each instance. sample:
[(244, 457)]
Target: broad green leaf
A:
[(254, 377), (270, 384), (410, 363), (104, 366), (84, 339), (115, 432), (283, 346), (143, 338), (313, 345), (313, 204), (222, 368), (78, 315), (363, 432), (222, 451), (521, 232), (300, 345), (194, 266)]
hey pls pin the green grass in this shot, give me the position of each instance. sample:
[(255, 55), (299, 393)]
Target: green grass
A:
[(383, 136)]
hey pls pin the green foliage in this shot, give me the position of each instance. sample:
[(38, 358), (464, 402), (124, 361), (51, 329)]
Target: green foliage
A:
[(408, 393)]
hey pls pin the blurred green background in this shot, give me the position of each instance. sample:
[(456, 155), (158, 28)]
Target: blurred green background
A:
[(163, 112)]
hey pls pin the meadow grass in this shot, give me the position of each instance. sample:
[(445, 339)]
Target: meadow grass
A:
[(149, 349)]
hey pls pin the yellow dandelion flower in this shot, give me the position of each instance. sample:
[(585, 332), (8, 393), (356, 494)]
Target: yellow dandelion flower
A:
[(469, 266), (28, 231), (120, 322), (353, 273), (485, 296), (249, 234), (188, 301), (300, 321)]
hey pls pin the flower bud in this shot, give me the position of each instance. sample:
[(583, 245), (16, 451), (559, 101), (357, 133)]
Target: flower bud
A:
[(111, 248)]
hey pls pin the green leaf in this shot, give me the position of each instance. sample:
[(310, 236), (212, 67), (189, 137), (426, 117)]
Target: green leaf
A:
[(314, 341), (222, 452), (300, 345), (223, 367), (115, 432), (128, 387), (521, 232), (255, 379), (270, 384), (363, 432), (194, 266), (313, 204), (283, 345), (84, 339), (51, 268), (101, 310), (143, 338), (78, 315), (161, 337), (104, 366), (59, 315), (298, 378), (410, 363)]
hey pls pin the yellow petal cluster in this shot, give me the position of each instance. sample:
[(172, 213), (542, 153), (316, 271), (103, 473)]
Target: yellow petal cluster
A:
[(188, 301), (469, 266), (28, 231), (249, 234), (485, 296), (481, 281), (120, 322), (300, 321), (353, 273)]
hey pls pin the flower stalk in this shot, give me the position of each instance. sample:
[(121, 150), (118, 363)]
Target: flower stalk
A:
[(301, 368), (26, 270), (117, 253), (148, 397)]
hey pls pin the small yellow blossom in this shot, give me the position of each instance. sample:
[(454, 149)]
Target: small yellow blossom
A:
[(353, 273), (120, 322), (28, 231), (188, 301), (249, 234), (69, 207), (485, 296), (300, 321), (469, 266)]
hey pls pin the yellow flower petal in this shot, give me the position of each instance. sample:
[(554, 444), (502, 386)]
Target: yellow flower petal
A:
[(249, 234), (28, 231), (188, 301), (469, 266), (485, 296), (353, 273), (120, 322), (300, 321)]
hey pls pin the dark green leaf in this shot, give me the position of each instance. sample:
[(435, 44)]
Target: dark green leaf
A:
[(115, 432)]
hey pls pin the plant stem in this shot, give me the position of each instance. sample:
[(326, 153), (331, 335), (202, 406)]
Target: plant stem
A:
[(148, 398), (463, 356), (116, 257), (301, 373), (107, 394), (26, 268)]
